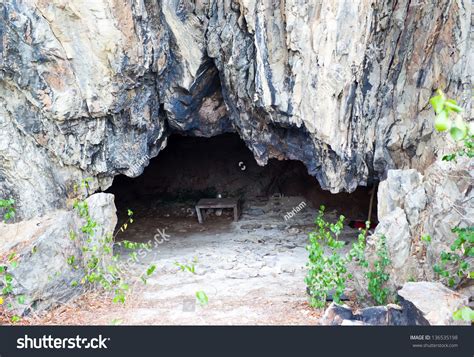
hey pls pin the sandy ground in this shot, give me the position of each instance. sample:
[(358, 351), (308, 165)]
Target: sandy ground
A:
[(252, 271)]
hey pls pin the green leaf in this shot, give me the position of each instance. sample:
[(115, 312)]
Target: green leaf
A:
[(202, 298), (437, 102), (452, 105), (465, 314), (442, 123), (150, 270), (458, 129), (426, 238), (449, 157), (21, 299)]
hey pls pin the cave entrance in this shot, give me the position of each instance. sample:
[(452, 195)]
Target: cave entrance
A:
[(192, 168), (250, 270)]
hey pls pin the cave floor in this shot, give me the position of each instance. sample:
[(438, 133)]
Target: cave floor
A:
[(252, 271)]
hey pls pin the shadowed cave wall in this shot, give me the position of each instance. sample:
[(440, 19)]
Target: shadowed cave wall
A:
[(190, 168)]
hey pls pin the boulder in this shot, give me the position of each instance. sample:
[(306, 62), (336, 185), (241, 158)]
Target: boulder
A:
[(336, 314), (395, 227), (449, 188), (435, 302), (390, 315), (393, 191), (103, 211), (411, 206), (42, 270), (42, 275)]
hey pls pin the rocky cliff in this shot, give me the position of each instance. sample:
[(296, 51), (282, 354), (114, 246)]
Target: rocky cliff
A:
[(91, 88)]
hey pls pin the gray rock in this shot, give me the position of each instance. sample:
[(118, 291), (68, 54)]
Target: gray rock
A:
[(335, 314), (352, 323), (43, 275), (392, 192), (43, 246), (394, 226), (434, 301), (254, 211), (103, 211), (450, 204), (410, 206), (390, 315), (415, 203), (293, 231), (251, 226)]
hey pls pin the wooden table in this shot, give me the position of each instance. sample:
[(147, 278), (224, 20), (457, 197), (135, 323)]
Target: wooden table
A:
[(217, 203)]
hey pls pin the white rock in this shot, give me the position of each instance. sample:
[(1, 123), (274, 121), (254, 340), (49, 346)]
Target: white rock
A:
[(436, 302)]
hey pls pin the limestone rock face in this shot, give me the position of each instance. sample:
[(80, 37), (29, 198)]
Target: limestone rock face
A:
[(412, 206), (42, 272), (43, 247), (93, 89), (396, 230)]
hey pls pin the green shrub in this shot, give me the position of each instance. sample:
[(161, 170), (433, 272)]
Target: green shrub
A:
[(378, 277), (326, 271), (455, 266), (7, 206), (101, 269), (6, 281)]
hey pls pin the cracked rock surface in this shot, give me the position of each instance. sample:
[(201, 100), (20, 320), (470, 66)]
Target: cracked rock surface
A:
[(93, 89)]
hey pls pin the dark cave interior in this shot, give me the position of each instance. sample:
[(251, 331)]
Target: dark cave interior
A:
[(191, 168)]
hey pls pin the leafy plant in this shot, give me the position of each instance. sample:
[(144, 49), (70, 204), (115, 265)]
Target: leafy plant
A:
[(187, 267), (464, 314), (5, 276), (8, 209), (458, 128), (150, 270), (101, 268), (378, 277), (455, 266), (326, 271), (357, 251), (6, 281)]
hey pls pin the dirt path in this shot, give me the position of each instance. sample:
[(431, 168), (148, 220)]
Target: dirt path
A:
[(252, 272)]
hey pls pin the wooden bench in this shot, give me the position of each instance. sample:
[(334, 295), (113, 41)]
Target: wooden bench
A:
[(217, 203)]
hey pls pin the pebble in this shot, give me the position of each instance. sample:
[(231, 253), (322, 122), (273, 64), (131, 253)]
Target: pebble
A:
[(251, 226)]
